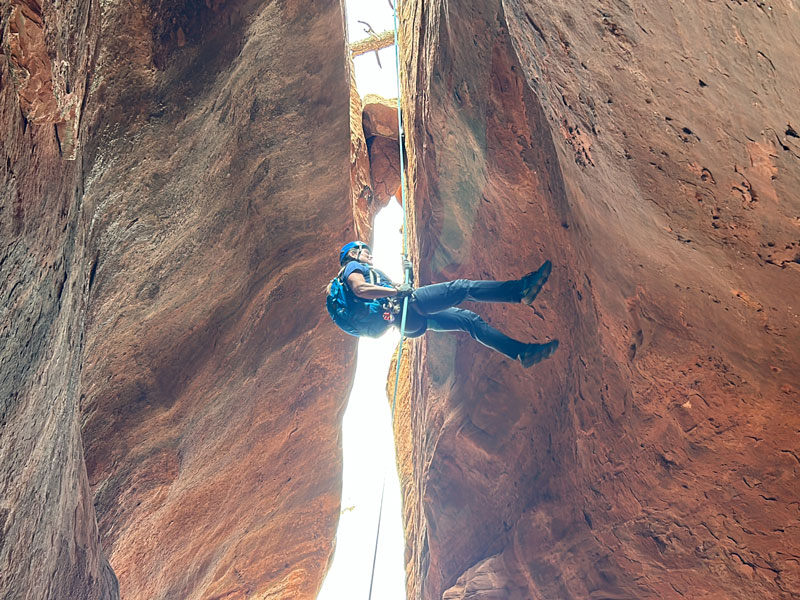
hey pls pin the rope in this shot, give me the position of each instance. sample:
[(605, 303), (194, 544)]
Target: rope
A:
[(377, 535), (402, 202), (406, 277)]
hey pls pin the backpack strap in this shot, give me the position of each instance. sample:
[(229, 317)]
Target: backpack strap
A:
[(346, 285), (372, 277)]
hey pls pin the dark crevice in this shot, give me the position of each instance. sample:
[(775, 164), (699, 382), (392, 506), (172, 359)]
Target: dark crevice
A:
[(93, 271), (58, 140)]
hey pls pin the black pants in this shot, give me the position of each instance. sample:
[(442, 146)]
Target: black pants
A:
[(433, 307)]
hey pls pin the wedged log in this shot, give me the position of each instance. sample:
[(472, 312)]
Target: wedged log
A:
[(650, 153), (372, 44), (213, 379)]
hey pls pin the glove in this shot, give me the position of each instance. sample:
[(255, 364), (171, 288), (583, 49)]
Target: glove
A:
[(404, 290), (408, 267)]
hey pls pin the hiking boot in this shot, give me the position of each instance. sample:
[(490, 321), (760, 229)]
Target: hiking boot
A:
[(532, 283), (535, 353)]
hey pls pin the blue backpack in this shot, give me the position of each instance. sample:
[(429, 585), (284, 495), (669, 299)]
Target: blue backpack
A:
[(355, 315)]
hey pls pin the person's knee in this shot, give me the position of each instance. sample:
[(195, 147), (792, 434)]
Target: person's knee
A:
[(469, 320), (470, 316), (416, 324), (458, 288)]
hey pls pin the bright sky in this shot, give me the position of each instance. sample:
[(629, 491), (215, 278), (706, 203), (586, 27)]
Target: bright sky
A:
[(368, 443), (370, 78), (369, 456)]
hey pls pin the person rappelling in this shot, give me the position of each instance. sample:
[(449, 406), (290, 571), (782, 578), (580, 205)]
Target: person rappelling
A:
[(363, 301)]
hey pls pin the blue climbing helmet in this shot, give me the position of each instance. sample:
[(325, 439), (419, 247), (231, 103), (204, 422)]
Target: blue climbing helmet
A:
[(349, 246)]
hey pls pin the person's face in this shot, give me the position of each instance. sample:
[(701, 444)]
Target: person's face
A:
[(363, 255)]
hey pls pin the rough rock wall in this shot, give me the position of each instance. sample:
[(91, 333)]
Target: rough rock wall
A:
[(360, 176), (649, 149), (213, 381), (380, 130), (211, 183), (374, 157), (49, 545), (49, 65)]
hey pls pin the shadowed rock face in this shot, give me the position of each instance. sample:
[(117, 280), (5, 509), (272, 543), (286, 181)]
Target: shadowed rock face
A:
[(162, 328), (49, 545), (50, 89), (361, 193), (374, 157), (380, 129), (649, 150), (213, 381)]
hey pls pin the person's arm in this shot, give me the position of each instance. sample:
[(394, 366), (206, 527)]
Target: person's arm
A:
[(363, 289)]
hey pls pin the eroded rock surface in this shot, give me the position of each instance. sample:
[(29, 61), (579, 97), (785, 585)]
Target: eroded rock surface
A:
[(361, 193), (49, 90), (380, 117), (213, 381), (380, 129), (162, 322), (374, 157), (649, 150), (49, 544)]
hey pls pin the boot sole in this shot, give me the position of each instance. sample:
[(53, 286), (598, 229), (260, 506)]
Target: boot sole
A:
[(539, 354), (542, 276)]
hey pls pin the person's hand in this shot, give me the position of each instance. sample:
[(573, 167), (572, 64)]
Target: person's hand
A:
[(406, 289), (408, 267)]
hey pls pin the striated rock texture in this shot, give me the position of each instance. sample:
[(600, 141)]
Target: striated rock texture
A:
[(380, 129), (213, 382), (361, 193), (374, 157), (49, 544), (161, 299), (650, 150), (49, 83)]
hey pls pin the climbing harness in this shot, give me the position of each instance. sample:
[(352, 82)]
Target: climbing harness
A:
[(407, 275)]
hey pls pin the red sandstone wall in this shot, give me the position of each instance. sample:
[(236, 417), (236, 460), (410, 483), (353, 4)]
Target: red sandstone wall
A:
[(361, 189), (161, 298), (380, 129), (49, 544), (649, 150), (213, 381), (374, 157)]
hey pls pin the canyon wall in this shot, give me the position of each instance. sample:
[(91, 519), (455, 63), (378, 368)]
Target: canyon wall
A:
[(380, 129), (650, 150), (49, 543), (162, 323), (361, 194), (374, 158), (177, 179)]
